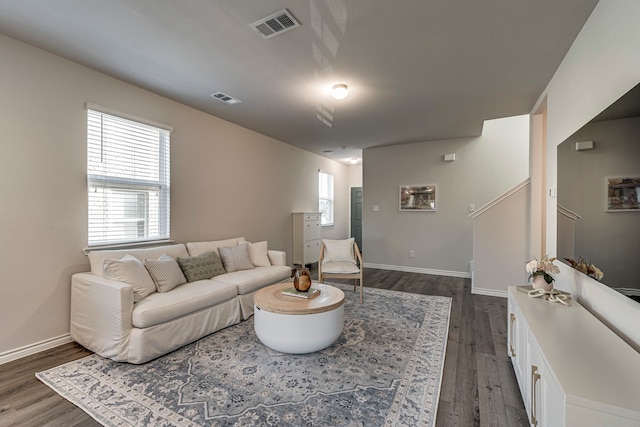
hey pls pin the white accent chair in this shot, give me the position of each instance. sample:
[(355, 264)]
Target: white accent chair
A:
[(340, 259)]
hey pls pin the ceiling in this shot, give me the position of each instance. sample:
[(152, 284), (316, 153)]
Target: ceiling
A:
[(417, 70), (628, 105)]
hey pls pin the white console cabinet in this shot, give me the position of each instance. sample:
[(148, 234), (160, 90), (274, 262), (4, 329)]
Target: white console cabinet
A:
[(571, 369), (307, 237)]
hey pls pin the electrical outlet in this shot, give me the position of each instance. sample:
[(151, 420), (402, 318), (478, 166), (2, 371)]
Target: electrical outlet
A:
[(472, 207), (412, 254)]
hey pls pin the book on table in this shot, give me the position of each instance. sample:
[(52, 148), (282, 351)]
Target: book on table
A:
[(293, 292)]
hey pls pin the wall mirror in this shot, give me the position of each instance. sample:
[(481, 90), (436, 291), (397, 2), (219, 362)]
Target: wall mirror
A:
[(587, 227)]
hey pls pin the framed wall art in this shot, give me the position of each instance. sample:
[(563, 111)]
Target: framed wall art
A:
[(622, 193), (418, 198)]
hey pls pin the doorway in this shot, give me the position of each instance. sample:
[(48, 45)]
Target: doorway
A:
[(356, 215)]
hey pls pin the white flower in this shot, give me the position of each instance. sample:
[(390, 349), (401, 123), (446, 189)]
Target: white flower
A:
[(532, 266)]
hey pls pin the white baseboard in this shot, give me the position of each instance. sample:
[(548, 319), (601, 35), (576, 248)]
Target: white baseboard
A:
[(463, 274), (34, 348), (629, 291), (489, 292)]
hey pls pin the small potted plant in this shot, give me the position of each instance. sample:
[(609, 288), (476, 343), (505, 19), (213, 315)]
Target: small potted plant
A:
[(540, 273), (586, 268)]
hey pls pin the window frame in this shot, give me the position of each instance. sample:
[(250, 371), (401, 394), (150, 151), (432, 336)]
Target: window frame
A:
[(114, 214), (326, 220)]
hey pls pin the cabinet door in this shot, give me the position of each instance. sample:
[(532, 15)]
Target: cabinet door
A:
[(554, 401), (533, 395), (545, 398), (516, 338)]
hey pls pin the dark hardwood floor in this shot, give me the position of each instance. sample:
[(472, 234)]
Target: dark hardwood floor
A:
[(478, 385)]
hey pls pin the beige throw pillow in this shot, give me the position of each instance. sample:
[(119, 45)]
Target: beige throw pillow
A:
[(258, 253), (235, 258), (338, 250), (130, 270), (165, 272)]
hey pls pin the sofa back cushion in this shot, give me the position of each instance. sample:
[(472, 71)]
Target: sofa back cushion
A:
[(198, 248), (96, 258)]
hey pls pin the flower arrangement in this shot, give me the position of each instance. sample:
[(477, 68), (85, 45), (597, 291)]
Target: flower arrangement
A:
[(545, 267), (586, 268)]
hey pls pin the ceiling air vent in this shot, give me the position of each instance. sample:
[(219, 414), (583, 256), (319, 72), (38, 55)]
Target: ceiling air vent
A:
[(278, 23), (225, 98)]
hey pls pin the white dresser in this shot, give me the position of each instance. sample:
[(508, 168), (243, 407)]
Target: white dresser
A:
[(572, 370), (307, 237)]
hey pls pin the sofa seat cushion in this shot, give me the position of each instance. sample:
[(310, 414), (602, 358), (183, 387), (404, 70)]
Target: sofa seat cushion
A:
[(340, 267), (185, 299), (248, 281)]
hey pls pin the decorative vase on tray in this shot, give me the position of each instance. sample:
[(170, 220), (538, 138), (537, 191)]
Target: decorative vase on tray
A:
[(540, 273)]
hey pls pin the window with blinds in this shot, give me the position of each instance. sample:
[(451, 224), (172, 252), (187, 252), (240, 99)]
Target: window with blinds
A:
[(325, 192), (128, 180)]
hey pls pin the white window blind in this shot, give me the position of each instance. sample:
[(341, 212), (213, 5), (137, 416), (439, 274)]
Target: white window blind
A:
[(325, 191), (128, 180)]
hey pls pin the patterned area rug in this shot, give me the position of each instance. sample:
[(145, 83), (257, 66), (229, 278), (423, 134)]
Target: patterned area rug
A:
[(384, 370)]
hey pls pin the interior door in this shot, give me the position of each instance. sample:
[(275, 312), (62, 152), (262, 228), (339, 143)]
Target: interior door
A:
[(356, 215)]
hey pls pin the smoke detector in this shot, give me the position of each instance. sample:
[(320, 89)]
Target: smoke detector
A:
[(278, 23), (220, 96)]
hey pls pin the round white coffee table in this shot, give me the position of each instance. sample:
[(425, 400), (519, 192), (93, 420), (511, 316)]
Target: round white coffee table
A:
[(297, 325)]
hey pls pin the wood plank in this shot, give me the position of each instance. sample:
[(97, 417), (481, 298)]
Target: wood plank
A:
[(484, 337), (491, 398)]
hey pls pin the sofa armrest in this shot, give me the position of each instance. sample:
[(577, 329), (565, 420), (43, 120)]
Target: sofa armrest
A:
[(101, 311), (277, 257)]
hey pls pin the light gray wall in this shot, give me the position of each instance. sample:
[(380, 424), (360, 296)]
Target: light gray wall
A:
[(355, 176), (485, 167), (226, 181), (598, 69), (500, 244), (608, 239)]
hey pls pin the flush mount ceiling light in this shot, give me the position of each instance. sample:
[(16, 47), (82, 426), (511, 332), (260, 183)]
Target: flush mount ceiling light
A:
[(353, 161), (340, 91)]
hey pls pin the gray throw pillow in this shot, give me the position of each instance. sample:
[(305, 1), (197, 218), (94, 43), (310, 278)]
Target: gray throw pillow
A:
[(203, 266), (235, 258)]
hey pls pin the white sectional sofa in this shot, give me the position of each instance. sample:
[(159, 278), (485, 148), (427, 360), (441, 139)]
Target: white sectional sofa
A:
[(118, 313)]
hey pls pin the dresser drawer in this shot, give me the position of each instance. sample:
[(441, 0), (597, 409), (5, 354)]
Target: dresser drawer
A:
[(307, 237), (313, 217), (312, 230), (312, 250)]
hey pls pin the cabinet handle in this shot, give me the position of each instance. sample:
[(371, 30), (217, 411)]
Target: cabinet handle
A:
[(535, 376), (512, 335)]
